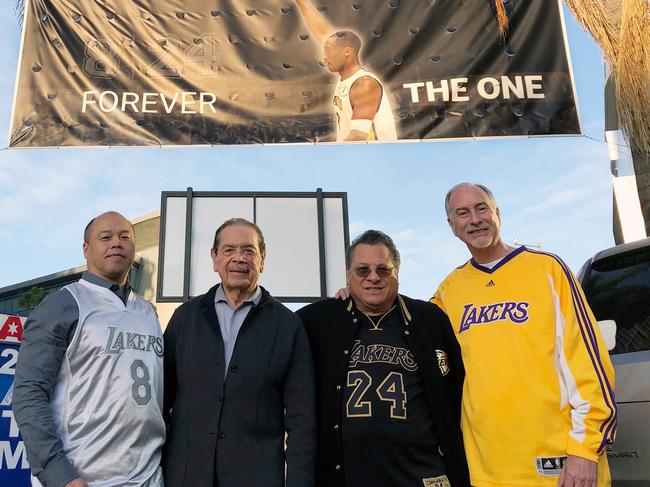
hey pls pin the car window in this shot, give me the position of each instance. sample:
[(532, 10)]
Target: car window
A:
[(619, 289)]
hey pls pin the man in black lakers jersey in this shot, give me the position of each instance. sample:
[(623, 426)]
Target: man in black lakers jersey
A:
[(389, 379)]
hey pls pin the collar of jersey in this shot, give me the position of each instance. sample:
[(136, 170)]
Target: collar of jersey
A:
[(406, 315), (108, 294), (504, 261)]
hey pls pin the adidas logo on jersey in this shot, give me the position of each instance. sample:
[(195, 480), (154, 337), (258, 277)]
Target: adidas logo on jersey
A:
[(550, 465), (490, 283)]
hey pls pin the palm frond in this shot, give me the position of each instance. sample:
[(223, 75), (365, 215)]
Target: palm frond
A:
[(19, 8)]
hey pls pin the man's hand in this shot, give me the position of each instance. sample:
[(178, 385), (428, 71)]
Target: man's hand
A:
[(578, 472), (342, 294), (78, 482)]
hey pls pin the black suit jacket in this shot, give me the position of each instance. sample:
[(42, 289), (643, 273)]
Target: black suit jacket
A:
[(331, 325), (231, 433)]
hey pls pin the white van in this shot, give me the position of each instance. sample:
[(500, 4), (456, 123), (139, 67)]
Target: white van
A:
[(616, 282)]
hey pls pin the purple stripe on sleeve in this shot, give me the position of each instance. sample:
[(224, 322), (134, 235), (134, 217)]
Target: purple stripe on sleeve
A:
[(589, 338)]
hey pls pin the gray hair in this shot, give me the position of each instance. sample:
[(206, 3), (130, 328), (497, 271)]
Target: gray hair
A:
[(239, 221), (373, 237), (485, 189)]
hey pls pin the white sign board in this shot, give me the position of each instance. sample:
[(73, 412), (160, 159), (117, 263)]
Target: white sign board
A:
[(306, 235)]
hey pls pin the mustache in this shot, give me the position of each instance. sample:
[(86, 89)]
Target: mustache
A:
[(239, 268), (478, 227)]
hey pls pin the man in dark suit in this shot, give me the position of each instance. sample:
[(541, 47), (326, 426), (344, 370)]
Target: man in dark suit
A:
[(238, 377), (389, 378)]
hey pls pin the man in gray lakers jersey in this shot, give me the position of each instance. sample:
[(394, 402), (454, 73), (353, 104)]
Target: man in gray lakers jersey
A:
[(88, 387), (360, 100)]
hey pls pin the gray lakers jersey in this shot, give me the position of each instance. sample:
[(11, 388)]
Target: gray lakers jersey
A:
[(383, 125), (107, 404)]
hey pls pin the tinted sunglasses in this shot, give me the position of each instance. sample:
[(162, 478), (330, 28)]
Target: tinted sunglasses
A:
[(382, 272)]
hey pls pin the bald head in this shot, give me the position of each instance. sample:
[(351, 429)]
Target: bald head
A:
[(455, 188), (347, 38), (90, 223)]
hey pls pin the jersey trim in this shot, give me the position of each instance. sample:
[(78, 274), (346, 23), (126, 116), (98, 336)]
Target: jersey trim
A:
[(505, 260)]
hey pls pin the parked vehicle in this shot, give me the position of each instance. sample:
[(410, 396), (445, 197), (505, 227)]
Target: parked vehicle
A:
[(616, 282)]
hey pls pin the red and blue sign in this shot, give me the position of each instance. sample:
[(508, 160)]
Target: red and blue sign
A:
[(14, 469)]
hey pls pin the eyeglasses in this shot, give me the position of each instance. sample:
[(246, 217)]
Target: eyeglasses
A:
[(382, 272)]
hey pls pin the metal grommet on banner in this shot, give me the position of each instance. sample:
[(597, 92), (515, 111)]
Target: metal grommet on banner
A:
[(480, 111), (518, 110)]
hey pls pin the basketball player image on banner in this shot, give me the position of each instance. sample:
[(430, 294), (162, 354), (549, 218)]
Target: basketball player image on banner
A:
[(360, 99)]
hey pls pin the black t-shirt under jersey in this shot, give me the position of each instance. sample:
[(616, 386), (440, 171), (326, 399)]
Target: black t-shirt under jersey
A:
[(388, 434)]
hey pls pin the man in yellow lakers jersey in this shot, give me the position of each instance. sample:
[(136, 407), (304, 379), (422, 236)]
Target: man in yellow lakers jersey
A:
[(538, 404), (360, 101)]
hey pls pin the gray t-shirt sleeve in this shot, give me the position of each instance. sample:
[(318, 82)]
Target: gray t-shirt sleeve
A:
[(47, 333)]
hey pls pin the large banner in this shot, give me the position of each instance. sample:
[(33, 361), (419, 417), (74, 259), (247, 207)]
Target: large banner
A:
[(14, 469), (185, 72)]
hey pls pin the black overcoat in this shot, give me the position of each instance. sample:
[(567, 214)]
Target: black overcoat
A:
[(235, 429)]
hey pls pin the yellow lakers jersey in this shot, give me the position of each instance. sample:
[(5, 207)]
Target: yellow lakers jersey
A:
[(539, 382)]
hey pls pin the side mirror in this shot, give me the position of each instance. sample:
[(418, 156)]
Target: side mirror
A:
[(608, 331)]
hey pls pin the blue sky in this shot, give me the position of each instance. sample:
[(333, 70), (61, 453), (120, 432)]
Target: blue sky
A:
[(554, 190)]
